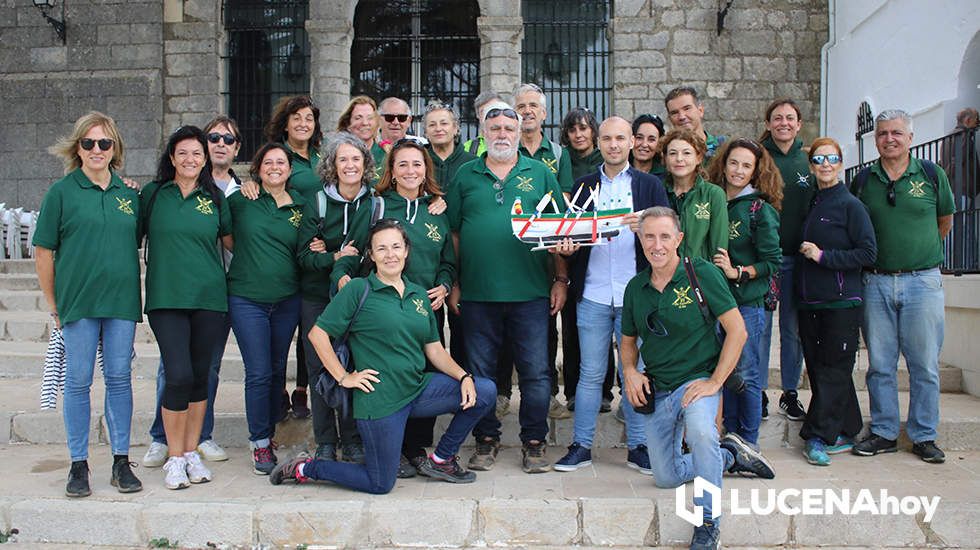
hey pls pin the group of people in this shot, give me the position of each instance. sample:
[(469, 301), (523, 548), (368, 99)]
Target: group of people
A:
[(370, 235)]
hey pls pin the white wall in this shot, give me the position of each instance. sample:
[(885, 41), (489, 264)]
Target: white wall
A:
[(906, 54)]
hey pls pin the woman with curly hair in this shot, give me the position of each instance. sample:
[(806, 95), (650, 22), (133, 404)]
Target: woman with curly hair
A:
[(753, 186)]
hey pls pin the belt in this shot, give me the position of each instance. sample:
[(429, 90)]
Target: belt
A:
[(877, 271)]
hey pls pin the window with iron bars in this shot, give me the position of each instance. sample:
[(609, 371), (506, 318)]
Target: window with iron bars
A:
[(268, 57), (566, 52), (418, 50)]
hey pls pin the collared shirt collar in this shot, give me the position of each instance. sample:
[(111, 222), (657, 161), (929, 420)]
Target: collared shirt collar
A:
[(83, 181), (606, 179), (914, 167)]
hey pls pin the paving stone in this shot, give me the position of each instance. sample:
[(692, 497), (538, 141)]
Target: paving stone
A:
[(338, 522), (616, 522), (858, 530), (47, 427), (77, 521), (529, 521), (397, 523), (197, 526), (955, 524)]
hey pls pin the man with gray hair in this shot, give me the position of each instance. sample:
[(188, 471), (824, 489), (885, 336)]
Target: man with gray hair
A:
[(505, 287), (531, 103), (911, 207), (396, 119), (477, 146)]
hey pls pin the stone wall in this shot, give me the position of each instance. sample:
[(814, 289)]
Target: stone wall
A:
[(768, 49), (112, 62)]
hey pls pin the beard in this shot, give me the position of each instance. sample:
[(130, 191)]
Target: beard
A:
[(502, 150)]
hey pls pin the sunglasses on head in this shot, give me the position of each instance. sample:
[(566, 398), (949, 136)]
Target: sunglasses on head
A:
[(391, 118), (509, 113), (88, 143), (215, 137), (818, 159)]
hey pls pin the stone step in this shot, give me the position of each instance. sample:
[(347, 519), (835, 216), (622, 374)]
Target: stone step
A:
[(604, 505), (17, 266), (26, 422), (35, 326)]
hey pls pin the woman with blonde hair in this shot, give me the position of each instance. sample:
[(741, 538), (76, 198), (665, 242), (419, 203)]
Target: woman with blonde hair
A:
[(88, 269), (360, 117)]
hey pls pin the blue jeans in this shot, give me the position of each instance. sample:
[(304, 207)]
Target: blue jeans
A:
[(790, 350), (81, 341), (597, 323), (904, 313), (764, 347), (483, 325), (264, 333), (669, 425), (156, 430), (742, 412), (383, 436)]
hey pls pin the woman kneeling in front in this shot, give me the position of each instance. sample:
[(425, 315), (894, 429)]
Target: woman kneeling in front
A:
[(390, 338)]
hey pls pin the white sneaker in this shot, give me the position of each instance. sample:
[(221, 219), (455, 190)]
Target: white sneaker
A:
[(211, 451), (176, 473), (197, 472), (155, 456)]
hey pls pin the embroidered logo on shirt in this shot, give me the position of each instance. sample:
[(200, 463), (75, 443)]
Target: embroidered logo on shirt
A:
[(420, 307), (433, 233), (701, 211), (125, 205), (552, 164), (733, 229), (526, 184), (916, 189), (204, 206), (802, 180), (296, 217), (682, 300)]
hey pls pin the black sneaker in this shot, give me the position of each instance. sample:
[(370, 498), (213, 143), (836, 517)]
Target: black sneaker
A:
[(78, 480), (747, 459), (790, 406), (929, 452), (354, 453), (705, 537), (123, 478), (874, 444), (605, 406), (449, 470), (534, 459), (765, 406), (405, 468)]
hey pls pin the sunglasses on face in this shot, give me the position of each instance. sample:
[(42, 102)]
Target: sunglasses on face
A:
[(215, 137), (88, 143), (391, 118), (656, 326), (818, 159), (509, 113)]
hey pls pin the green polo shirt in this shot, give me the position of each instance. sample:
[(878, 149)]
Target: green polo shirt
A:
[(94, 235), (389, 336), (446, 169), (687, 348), (494, 266), (303, 177), (332, 228), (583, 166), (704, 218), (798, 190), (185, 269), (759, 248), (432, 256), (561, 168), (908, 233), (264, 267)]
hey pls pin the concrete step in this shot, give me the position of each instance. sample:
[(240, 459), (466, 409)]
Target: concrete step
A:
[(35, 326), (17, 266), (27, 423), (604, 505)]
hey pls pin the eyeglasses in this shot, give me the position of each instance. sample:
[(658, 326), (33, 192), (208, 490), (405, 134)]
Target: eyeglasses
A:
[(104, 144), (509, 113), (391, 118), (656, 326), (215, 137), (499, 187), (890, 196), (818, 159)]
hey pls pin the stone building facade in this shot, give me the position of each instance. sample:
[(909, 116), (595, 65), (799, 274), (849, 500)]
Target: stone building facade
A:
[(154, 65)]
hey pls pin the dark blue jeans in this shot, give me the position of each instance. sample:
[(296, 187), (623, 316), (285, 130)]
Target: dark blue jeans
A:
[(527, 322), (383, 436), (264, 333), (156, 430)]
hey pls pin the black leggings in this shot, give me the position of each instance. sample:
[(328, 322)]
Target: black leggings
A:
[(186, 338)]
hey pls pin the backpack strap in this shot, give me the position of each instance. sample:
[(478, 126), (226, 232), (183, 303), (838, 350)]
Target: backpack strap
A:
[(860, 180), (360, 306), (696, 288), (556, 149), (321, 203), (754, 218), (377, 209), (932, 175)]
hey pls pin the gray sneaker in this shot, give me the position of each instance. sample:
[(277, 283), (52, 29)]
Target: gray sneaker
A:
[(485, 455), (155, 456)]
